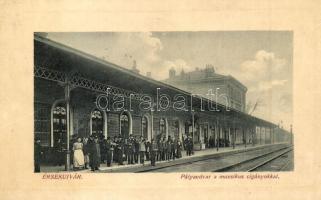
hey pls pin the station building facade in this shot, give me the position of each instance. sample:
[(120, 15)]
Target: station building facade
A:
[(77, 94), (226, 89)]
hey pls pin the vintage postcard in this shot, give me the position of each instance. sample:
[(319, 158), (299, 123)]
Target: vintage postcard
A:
[(136, 99), (174, 102)]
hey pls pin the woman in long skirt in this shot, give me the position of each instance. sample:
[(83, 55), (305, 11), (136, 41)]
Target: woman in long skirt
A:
[(79, 160)]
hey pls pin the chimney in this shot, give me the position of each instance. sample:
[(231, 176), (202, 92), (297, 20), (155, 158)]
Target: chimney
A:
[(172, 73), (209, 70), (134, 68)]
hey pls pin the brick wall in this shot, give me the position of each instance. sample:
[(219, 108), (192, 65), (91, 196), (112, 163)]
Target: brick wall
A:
[(112, 124), (136, 128)]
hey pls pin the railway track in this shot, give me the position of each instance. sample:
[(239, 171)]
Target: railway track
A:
[(256, 163), (226, 163), (282, 163)]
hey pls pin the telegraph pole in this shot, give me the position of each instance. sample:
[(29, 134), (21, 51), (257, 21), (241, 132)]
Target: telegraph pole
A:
[(218, 136), (193, 127), (67, 99), (152, 122)]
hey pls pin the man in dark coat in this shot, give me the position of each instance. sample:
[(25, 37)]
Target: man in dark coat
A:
[(130, 150), (164, 149), (179, 149), (109, 151), (115, 155), (142, 149), (103, 150), (120, 150), (189, 146), (169, 149), (174, 148), (37, 155), (210, 142), (153, 152), (59, 153), (125, 143), (136, 152), (159, 155), (94, 154), (186, 145), (147, 152)]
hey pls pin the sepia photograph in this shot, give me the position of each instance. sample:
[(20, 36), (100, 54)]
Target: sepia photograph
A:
[(170, 101), (119, 99)]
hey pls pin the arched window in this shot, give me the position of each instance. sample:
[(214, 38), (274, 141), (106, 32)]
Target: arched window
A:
[(145, 127), (97, 123), (124, 125), (59, 125), (162, 127)]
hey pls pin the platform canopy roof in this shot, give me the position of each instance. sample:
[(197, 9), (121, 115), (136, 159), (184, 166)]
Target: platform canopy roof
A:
[(57, 56)]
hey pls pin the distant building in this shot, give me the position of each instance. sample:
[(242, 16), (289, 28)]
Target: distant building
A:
[(226, 89), (134, 67)]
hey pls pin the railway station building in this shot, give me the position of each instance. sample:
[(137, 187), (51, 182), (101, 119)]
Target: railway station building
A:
[(77, 94)]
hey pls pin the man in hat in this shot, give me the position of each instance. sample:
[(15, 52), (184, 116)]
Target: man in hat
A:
[(115, 153), (142, 149), (164, 150), (136, 149), (130, 150), (154, 149), (169, 148), (174, 148), (147, 151), (59, 152), (94, 154), (120, 147), (109, 150), (103, 150), (187, 145), (37, 155), (161, 149)]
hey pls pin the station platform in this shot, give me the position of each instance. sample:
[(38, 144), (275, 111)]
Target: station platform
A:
[(198, 156), (201, 154)]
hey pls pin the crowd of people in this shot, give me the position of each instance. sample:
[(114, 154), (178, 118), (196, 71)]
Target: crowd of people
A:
[(214, 142), (93, 151)]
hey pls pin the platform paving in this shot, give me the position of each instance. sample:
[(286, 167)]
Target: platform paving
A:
[(212, 152), (209, 155)]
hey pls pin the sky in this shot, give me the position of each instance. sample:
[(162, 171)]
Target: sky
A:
[(261, 60)]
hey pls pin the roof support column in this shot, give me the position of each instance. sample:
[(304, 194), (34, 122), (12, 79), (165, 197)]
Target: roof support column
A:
[(193, 127), (67, 99), (217, 135)]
